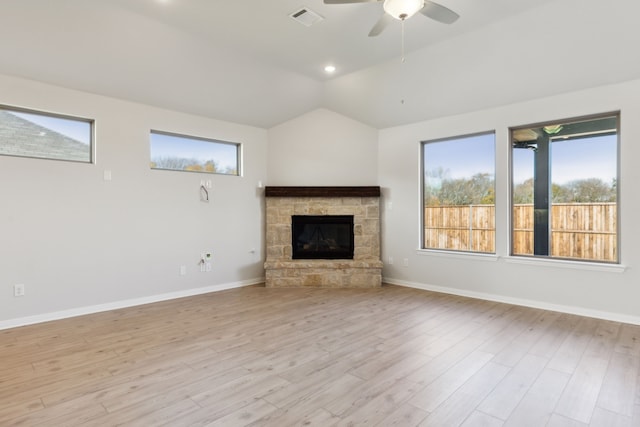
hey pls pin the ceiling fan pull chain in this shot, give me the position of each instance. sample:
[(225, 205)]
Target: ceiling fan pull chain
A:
[(402, 40)]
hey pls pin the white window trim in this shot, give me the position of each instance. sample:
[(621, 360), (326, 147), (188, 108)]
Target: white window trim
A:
[(564, 263), (422, 250), (477, 256), (238, 146), (557, 263)]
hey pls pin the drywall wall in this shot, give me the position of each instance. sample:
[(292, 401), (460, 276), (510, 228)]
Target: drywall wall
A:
[(99, 47), (565, 286), (76, 240), (322, 148), (560, 46)]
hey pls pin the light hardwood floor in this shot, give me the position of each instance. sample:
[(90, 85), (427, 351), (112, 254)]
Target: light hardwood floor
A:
[(286, 357)]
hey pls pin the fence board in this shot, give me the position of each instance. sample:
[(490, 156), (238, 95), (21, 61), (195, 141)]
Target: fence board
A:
[(578, 230)]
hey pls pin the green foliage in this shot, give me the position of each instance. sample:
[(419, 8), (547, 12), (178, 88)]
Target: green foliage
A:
[(479, 189), (443, 191), (591, 190), (523, 192), (192, 165)]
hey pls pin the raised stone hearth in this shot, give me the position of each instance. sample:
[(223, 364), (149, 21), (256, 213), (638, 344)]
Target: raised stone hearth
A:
[(363, 271)]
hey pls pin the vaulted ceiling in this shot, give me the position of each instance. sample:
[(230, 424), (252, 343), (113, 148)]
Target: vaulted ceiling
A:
[(247, 61)]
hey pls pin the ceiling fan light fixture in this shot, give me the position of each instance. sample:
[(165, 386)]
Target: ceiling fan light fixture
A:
[(402, 9), (552, 129)]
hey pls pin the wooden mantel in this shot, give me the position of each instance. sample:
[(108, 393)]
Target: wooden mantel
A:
[(371, 191)]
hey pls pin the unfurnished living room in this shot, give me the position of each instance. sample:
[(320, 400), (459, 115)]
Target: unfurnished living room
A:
[(319, 213)]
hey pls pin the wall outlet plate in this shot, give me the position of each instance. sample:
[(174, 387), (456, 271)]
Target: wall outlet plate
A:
[(18, 290)]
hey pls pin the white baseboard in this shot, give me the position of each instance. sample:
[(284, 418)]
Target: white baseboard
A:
[(580, 311), (81, 311)]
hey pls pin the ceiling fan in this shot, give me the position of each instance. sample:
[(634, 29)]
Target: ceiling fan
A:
[(403, 9)]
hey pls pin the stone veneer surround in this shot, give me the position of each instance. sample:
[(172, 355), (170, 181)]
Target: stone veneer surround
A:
[(364, 271)]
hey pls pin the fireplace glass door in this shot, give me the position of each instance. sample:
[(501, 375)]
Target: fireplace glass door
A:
[(322, 236)]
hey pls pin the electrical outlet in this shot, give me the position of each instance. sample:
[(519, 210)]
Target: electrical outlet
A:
[(405, 262), (390, 260), (183, 270), (203, 267), (208, 266), (18, 290)]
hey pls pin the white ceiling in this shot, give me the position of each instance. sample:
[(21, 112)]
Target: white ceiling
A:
[(246, 61), (263, 29)]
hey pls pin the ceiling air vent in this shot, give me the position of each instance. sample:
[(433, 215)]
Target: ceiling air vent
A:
[(306, 17)]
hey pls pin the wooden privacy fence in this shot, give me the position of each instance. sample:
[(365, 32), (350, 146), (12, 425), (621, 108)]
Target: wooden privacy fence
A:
[(578, 230), (466, 228)]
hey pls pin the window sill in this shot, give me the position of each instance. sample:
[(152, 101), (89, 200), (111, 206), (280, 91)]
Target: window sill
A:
[(560, 263), (576, 265), (459, 255)]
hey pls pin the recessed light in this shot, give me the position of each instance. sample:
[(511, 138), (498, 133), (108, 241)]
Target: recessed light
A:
[(330, 69)]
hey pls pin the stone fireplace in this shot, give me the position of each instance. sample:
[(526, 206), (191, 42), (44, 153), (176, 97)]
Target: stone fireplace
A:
[(320, 223)]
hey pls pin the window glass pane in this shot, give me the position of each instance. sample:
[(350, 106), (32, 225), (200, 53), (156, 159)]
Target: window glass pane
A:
[(564, 190), (40, 135), (459, 193), (192, 154)]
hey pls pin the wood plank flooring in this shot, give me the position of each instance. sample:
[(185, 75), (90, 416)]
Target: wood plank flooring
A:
[(322, 357)]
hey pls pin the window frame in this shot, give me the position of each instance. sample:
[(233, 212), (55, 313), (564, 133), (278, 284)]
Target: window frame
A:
[(456, 252), (237, 145), (593, 264), (92, 133)]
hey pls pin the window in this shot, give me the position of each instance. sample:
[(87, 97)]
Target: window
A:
[(459, 193), (26, 133), (193, 154), (564, 189)]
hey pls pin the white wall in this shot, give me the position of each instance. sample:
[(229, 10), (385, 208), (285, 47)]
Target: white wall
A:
[(560, 46), (322, 148), (604, 293), (109, 49), (75, 240)]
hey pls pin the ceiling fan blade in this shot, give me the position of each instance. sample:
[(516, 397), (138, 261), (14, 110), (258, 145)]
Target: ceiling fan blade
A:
[(382, 23), (439, 13), (350, 1)]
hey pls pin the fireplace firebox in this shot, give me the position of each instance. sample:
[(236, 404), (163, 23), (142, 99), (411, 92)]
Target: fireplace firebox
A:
[(322, 236)]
